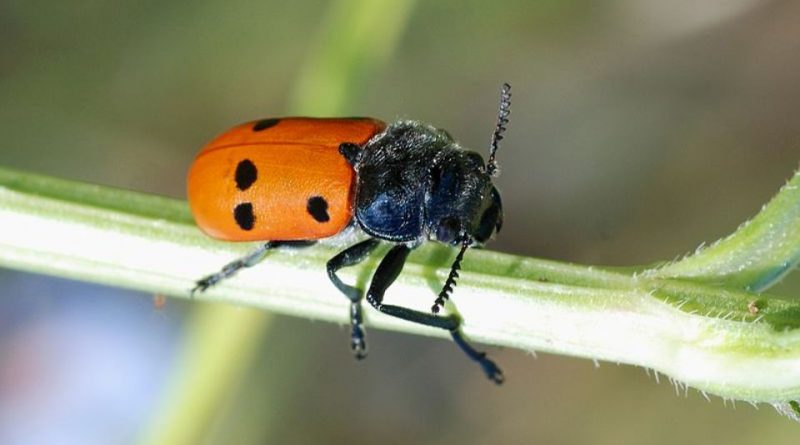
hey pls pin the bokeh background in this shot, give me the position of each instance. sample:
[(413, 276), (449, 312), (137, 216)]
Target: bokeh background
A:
[(640, 129)]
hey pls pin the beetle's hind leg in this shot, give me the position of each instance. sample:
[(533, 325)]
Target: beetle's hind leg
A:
[(249, 260), (388, 270), (350, 257)]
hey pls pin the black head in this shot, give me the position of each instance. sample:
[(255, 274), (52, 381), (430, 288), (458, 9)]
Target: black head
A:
[(461, 203)]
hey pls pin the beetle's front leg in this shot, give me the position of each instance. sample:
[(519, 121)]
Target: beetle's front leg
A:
[(388, 271)]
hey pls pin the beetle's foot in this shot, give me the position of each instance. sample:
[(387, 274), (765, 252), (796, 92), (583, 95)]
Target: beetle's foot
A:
[(357, 342), (203, 284), (490, 368)]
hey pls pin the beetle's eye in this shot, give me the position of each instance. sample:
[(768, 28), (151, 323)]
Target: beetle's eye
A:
[(475, 159), (447, 230), (491, 221)]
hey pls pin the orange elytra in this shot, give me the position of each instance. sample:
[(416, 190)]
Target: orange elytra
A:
[(277, 179)]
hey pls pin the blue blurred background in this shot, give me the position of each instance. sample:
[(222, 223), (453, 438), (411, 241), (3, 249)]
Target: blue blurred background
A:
[(640, 129)]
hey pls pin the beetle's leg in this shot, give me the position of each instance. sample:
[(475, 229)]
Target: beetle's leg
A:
[(249, 260), (388, 270), (350, 257)]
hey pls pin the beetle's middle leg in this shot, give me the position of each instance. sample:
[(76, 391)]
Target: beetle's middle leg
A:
[(350, 257)]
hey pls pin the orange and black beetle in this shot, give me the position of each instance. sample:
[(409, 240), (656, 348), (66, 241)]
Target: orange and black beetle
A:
[(292, 181)]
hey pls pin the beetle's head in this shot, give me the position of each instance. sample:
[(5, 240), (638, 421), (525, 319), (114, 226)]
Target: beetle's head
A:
[(462, 203)]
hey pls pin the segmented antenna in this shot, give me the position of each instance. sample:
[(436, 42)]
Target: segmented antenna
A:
[(500, 128), (450, 283)]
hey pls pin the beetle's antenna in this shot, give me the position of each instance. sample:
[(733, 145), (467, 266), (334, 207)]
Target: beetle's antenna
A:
[(500, 128), (450, 283)]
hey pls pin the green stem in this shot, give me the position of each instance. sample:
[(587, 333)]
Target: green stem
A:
[(754, 257), (722, 340)]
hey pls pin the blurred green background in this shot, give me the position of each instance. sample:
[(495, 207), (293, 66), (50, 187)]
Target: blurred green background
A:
[(640, 128)]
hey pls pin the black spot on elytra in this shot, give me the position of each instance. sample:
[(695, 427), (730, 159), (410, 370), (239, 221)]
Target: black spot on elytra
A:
[(246, 174), (318, 208), (350, 151), (243, 213), (263, 124)]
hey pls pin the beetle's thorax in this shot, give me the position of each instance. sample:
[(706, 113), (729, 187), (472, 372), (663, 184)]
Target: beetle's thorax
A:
[(416, 183)]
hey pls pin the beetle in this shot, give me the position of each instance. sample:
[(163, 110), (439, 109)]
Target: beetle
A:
[(293, 181)]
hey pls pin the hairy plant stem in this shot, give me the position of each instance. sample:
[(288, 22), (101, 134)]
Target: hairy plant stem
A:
[(717, 338)]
